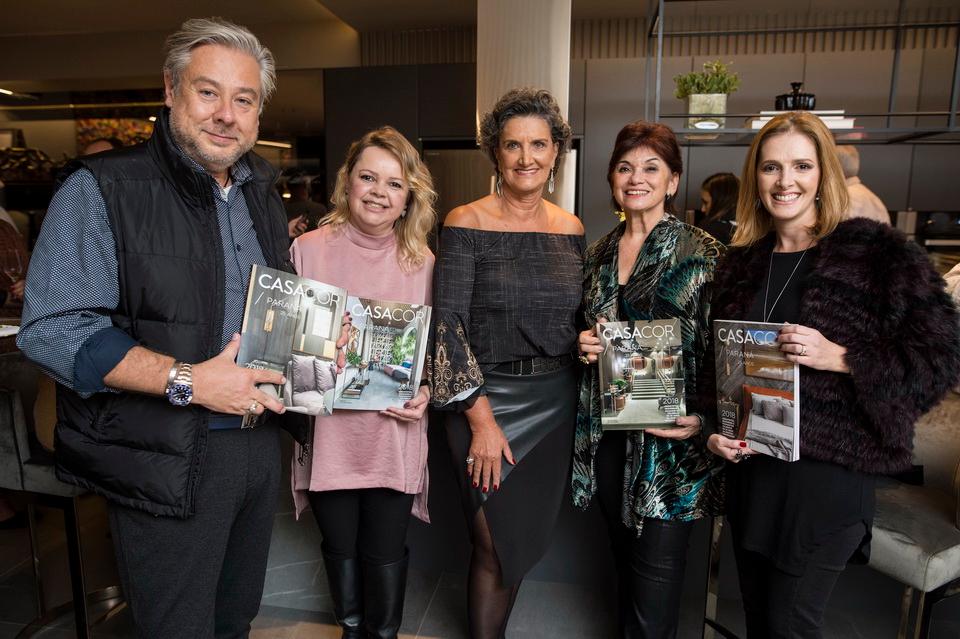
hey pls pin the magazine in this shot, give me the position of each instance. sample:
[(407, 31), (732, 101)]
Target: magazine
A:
[(291, 325), (758, 388), (385, 354), (641, 374)]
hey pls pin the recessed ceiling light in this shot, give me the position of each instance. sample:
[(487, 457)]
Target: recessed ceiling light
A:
[(279, 145)]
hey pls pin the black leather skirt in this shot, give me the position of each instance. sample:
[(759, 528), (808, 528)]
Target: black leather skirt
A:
[(537, 414)]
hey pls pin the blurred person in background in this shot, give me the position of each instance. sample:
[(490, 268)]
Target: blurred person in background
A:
[(863, 201)]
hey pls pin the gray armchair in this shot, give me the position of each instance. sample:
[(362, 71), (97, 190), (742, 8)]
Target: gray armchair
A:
[(916, 531)]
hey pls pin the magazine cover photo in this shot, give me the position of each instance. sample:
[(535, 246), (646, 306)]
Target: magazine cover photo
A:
[(757, 388), (641, 374), (291, 325), (385, 354)]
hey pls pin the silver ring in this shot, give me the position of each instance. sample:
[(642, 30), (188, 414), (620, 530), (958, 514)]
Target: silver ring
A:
[(470, 460), (253, 407), (737, 456), (803, 350)]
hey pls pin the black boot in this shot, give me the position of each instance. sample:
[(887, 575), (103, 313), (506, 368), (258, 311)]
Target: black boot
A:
[(383, 590), (346, 590)]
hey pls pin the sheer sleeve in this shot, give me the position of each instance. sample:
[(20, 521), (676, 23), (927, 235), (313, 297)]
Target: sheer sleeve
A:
[(456, 375)]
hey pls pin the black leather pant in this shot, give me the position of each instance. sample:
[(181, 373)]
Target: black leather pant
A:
[(650, 567)]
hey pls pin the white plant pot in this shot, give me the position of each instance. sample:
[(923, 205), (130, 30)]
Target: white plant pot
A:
[(706, 103)]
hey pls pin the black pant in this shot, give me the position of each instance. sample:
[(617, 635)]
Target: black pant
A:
[(650, 567), (369, 523), (203, 577), (779, 604)]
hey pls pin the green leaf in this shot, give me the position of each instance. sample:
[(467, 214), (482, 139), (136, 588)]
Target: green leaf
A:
[(715, 78)]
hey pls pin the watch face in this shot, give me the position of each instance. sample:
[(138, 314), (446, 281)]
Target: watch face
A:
[(180, 394)]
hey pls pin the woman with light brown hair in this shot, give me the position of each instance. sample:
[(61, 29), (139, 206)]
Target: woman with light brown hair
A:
[(368, 470), (876, 337)]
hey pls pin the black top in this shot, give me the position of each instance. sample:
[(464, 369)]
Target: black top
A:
[(499, 297), (787, 510), (787, 307), (720, 228)]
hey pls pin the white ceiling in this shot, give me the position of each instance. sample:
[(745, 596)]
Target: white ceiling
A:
[(384, 15), (54, 17)]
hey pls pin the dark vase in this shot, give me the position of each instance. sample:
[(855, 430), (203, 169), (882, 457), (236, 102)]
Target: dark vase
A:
[(796, 101)]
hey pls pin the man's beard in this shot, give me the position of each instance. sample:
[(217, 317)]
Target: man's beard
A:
[(191, 147)]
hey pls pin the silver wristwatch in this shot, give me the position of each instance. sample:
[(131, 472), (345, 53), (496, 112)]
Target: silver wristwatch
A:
[(180, 384)]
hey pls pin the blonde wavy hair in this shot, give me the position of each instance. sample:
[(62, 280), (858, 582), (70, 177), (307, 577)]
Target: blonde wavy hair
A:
[(753, 220), (411, 229)]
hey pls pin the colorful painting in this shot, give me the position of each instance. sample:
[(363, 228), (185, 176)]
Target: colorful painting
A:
[(127, 130)]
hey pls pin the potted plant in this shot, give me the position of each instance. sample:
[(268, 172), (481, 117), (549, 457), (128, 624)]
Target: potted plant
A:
[(706, 92)]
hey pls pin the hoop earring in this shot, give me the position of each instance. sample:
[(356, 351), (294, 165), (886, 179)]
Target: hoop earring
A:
[(496, 186), (550, 183)]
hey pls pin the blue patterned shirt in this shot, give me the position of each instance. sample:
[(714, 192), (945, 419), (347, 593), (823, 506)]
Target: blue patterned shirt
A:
[(73, 283)]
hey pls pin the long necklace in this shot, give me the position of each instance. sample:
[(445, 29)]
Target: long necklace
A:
[(766, 292)]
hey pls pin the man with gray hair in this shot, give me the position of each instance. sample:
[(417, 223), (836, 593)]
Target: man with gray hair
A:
[(134, 299), (863, 201)]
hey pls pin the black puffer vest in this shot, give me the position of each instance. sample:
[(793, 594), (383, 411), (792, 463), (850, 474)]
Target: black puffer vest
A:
[(137, 450)]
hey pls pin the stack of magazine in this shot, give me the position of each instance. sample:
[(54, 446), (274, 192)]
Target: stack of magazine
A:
[(758, 388), (291, 325), (641, 374)]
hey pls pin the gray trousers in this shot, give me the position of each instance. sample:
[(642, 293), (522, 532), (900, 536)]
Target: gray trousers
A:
[(202, 577)]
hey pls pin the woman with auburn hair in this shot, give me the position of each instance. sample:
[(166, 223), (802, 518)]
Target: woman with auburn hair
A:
[(718, 204), (653, 484), (368, 470), (866, 317), (508, 287)]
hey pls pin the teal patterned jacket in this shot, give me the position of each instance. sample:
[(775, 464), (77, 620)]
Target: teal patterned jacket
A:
[(663, 478)]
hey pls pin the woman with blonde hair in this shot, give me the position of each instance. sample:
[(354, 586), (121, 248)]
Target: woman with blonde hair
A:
[(865, 316), (368, 470)]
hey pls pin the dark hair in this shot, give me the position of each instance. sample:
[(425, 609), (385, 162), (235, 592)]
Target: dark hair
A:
[(517, 103), (723, 189), (659, 138)]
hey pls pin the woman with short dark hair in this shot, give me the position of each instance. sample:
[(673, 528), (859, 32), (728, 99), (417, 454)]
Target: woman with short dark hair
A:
[(507, 289), (651, 484)]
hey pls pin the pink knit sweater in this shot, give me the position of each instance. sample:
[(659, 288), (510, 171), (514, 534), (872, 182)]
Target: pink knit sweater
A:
[(363, 449)]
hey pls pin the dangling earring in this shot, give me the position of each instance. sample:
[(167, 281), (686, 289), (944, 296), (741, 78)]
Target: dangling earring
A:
[(551, 184), (403, 213), (759, 204), (496, 186)]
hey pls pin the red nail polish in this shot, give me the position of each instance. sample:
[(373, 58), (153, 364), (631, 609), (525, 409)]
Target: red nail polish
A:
[(484, 489), (475, 484), (743, 444), (496, 486)]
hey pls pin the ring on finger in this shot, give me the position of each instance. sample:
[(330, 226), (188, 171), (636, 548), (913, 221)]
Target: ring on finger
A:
[(253, 407), (584, 359), (737, 456), (803, 350), (470, 460)]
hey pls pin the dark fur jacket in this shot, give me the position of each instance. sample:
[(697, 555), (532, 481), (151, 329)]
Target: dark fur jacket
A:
[(877, 294)]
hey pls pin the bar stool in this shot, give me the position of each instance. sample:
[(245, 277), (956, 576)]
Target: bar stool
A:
[(32, 473)]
